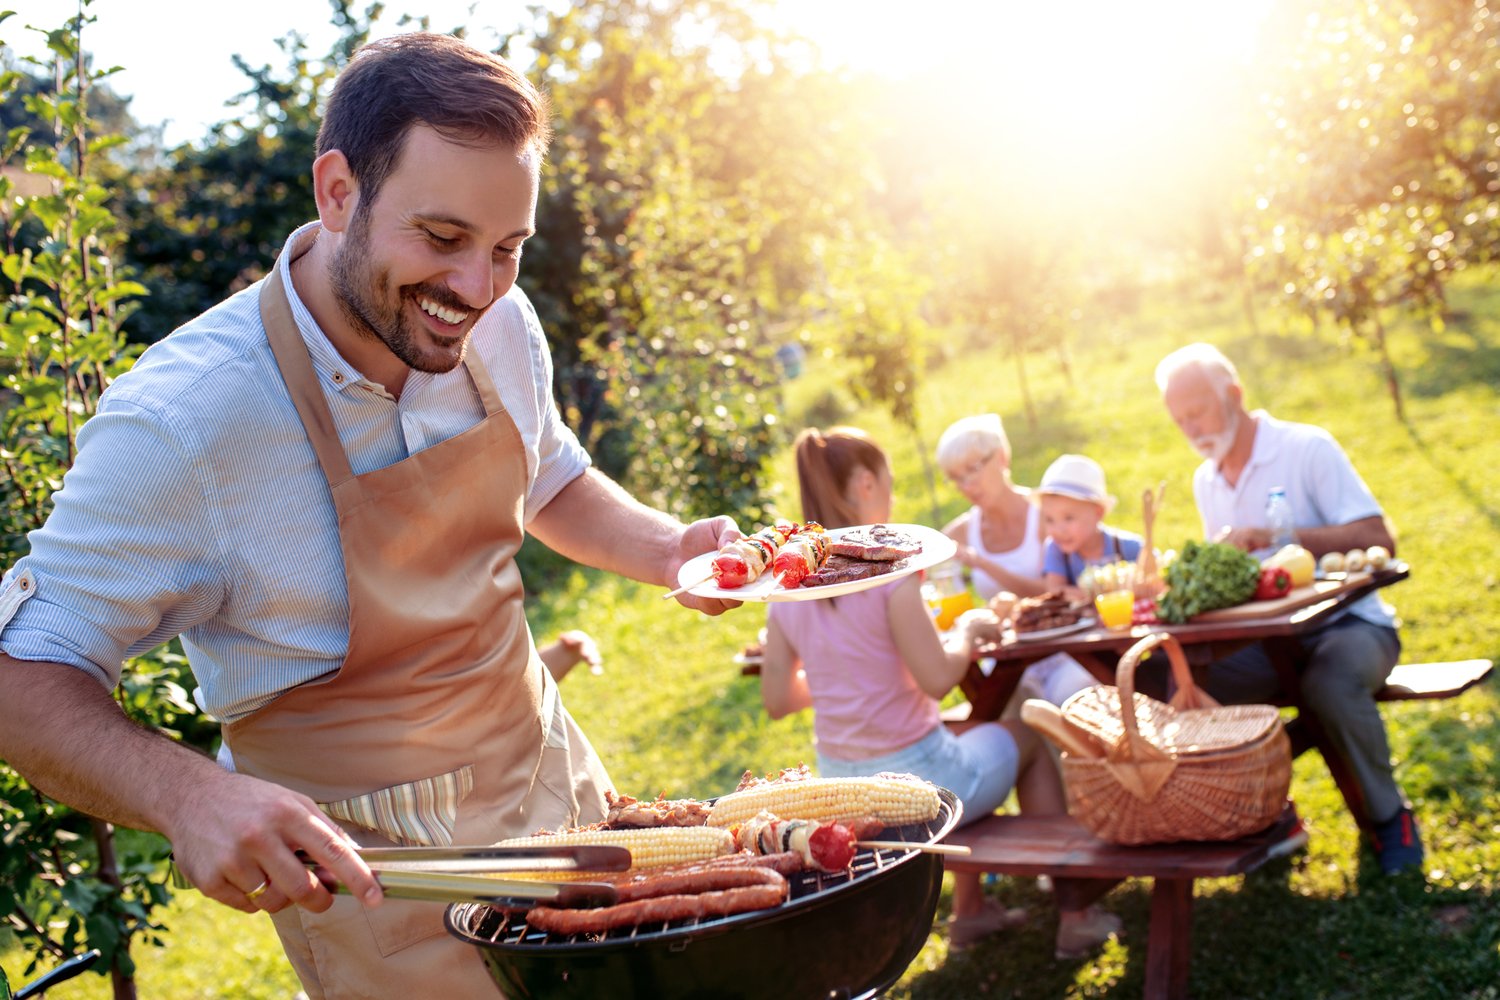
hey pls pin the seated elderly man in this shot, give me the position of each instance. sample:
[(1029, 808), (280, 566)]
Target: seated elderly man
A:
[(1343, 663)]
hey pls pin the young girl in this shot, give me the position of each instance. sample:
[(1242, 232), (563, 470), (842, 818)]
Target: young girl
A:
[(1074, 502), (872, 667)]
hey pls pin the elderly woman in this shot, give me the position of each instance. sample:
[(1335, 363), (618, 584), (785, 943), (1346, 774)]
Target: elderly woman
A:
[(1000, 537), (1001, 540)]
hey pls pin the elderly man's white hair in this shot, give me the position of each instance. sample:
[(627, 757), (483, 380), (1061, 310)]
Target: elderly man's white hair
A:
[(1204, 358), (983, 433)]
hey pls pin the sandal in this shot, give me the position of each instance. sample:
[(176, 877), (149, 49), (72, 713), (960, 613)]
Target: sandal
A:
[(992, 917)]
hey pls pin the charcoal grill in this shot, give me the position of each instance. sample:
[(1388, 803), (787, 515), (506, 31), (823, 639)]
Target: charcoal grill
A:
[(839, 936)]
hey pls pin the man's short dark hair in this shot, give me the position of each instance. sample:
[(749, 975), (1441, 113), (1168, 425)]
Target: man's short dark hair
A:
[(467, 96)]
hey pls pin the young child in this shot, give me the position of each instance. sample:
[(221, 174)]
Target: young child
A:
[(1074, 503)]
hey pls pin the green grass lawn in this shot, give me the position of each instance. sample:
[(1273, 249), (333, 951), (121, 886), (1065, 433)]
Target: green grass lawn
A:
[(672, 714)]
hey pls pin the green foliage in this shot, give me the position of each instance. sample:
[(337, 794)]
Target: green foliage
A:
[(698, 213), (66, 882), (1380, 168), (1205, 576), (211, 217)]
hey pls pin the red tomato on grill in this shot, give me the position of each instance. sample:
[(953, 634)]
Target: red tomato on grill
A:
[(832, 847)]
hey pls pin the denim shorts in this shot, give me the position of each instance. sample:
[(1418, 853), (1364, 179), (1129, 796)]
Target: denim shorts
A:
[(979, 765)]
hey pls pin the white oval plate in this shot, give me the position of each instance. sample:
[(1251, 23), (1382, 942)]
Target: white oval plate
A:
[(936, 548), (1051, 633)]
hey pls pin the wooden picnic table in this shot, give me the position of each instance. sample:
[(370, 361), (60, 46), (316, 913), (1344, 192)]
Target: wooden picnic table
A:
[(996, 669)]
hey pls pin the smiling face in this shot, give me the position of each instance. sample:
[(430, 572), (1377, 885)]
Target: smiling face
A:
[(441, 242), (1072, 523)]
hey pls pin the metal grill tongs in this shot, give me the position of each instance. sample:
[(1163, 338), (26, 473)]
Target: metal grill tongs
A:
[(463, 874)]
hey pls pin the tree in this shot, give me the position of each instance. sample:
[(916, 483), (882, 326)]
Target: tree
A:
[(1382, 159), (211, 218), (706, 201), (66, 880)]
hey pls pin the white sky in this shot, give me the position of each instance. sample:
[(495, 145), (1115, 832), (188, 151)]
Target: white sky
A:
[(1065, 57)]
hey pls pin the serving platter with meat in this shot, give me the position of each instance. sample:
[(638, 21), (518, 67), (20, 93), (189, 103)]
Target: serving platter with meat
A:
[(815, 564), (1047, 615)]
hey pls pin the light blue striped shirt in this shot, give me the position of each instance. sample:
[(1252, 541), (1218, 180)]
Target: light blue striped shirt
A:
[(196, 505)]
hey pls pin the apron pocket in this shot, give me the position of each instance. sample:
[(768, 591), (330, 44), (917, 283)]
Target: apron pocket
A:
[(397, 924), (571, 780), (420, 813)]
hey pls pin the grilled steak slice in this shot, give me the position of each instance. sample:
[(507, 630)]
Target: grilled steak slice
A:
[(842, 569), (1045, 611), (879, 542)]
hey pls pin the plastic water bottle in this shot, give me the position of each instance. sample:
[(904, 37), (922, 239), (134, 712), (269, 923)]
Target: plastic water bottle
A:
[(1279, 519)]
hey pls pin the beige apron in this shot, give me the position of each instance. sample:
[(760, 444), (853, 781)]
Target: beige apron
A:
[(441, 725)]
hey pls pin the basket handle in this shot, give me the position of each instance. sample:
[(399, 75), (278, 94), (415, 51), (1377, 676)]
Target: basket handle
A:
[(1044, 717)]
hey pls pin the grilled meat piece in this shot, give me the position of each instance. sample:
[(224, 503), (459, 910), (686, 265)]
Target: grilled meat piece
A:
[(878, 542), (842, 569), (1044, 611)]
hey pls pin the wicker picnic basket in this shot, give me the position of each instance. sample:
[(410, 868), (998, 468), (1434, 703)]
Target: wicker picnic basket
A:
[(1189, 770)]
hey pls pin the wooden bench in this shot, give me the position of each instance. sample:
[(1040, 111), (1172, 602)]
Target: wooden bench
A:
[(1059, 847), (1408, 682), (1429, 681)]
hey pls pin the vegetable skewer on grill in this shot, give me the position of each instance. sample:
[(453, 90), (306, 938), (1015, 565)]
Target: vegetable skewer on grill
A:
[(826, 847)]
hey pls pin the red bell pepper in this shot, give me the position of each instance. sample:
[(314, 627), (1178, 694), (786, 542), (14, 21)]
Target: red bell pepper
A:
[(1274, 582)]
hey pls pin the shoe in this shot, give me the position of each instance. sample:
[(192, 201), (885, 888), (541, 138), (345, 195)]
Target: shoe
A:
[(992, 917), (1398, 845), (1079, 933)]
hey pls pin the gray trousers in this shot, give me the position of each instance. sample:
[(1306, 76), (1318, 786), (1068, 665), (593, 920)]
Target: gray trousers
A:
[(1342, 665)]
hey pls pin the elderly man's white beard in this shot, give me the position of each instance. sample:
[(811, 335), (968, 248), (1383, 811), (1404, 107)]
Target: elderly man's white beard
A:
[(1215, 446)]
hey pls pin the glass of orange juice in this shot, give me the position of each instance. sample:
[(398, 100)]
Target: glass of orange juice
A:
[(946, 594), (1115, 608), (950, 606)]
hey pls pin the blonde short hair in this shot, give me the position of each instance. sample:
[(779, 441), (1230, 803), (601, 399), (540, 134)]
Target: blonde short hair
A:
[(980, 434), (1207, 360)]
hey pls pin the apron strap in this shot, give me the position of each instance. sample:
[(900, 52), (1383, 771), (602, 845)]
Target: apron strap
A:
[(488, 394), (301, 381)]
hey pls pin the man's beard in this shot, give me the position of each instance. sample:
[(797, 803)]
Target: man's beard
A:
[(364, 297), (1215, 446)]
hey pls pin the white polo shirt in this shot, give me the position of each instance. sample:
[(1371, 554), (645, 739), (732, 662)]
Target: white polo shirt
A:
[(1320, 482)]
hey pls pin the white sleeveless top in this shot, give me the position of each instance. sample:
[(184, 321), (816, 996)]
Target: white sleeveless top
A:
[(1023, 560)]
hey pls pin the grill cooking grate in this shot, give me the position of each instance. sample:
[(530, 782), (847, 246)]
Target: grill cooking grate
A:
[(508, 928)]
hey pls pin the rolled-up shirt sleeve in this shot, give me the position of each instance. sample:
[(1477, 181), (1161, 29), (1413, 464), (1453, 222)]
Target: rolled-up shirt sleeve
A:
[(126, 560)]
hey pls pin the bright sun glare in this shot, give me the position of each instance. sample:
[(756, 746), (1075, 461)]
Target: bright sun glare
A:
[(1055, 84)]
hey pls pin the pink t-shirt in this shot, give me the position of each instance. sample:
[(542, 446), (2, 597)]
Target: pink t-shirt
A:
[(866, 703)]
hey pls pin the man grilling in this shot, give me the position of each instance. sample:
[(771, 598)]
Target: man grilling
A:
[(320, 485)]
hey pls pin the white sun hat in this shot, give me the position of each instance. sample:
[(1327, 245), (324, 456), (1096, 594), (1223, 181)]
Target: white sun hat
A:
[(1076, 476)]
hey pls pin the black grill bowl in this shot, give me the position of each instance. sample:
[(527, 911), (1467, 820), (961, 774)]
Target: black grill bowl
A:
[(839, 936)]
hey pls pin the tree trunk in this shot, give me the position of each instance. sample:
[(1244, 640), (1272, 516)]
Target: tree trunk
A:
[(109, 874), (928, 474), (1020, 357), (1387, 366), (1062, 359)]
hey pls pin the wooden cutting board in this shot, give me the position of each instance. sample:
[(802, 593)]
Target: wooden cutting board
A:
[(1298, 598)]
